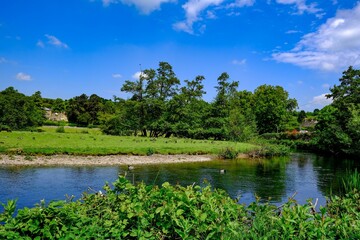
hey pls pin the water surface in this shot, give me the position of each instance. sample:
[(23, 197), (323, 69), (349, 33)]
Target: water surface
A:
[(307, 175)]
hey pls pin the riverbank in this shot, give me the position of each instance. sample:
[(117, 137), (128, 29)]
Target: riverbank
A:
[(109, 160)]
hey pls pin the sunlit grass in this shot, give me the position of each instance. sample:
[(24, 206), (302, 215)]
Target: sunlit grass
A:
[(92, 142), (72, 129)]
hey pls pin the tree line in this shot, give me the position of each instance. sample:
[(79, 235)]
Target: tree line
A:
[(160, 106)]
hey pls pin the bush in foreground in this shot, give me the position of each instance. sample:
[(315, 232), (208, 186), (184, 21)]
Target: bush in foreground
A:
[(127, 211)]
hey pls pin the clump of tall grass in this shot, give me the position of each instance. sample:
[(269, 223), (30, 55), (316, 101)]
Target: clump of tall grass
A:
[(350, 181), (345, 184), (228, 153)]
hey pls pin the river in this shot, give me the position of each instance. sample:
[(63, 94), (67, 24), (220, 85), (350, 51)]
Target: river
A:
[(303, 174)]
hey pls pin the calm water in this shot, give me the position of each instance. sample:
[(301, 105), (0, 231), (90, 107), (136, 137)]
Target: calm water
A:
[(309, 175)]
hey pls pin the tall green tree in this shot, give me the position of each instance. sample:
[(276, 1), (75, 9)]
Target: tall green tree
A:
[(218, 118), (242, 124), (338, 129), (272, 108), (151, 94), (185, 110)]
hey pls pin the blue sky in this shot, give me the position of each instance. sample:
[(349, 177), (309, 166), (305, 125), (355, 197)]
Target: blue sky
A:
[(64, 48)]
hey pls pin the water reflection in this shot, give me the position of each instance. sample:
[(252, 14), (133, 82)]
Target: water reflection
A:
[(309, 175)]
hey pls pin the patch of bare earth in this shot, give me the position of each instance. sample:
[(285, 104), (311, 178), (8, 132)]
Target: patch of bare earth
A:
[(69, 160)]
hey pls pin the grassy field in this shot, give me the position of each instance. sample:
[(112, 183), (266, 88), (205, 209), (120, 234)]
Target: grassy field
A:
[(84, 141)]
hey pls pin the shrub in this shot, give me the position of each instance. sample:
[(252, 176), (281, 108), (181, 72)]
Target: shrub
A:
[(228, 153), (5, 128), (150, 151), (60, 129), (129, 211)]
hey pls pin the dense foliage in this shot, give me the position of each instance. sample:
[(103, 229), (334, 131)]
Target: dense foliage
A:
[(159, 107), (85, 111), (18, 111), (129, 211), (338, 129)]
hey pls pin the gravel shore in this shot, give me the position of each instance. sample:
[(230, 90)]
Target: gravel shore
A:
[(110, 160)]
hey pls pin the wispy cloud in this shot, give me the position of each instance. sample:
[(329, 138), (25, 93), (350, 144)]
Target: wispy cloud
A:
[(193, 8), (117, 75), (333, 47), (302, 6), (239, 62), (23, 76), (145, 6), (40, 44), (3, 60), (241, 3), (325, 86), (292, 32), (52, 40), (108, 2), (197, 11)]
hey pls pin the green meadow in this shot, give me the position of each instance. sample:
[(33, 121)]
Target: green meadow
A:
[(85, 141)]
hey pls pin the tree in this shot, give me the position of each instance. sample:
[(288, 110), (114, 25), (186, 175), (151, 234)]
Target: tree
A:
[(58, 105), (272, 108), (301, 116), (164, 84), (242, 124), (193, 89), (151, 94), (348, 91), (18, 111), (84, 110), (185, 110), (225, 91), (330, 135), (338, 128), (218, 118)]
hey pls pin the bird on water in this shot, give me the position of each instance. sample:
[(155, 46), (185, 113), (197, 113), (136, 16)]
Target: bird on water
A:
[(131, 167)]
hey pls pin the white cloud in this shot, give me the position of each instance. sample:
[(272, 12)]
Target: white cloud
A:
[(52, 40), (321, 101), (302, 6), (241, 3), (137, 75), (23, 76), (117, 75), (292, 32), (193, 8), (210, 15), (333, 47), (145, 6), (239, 62)]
